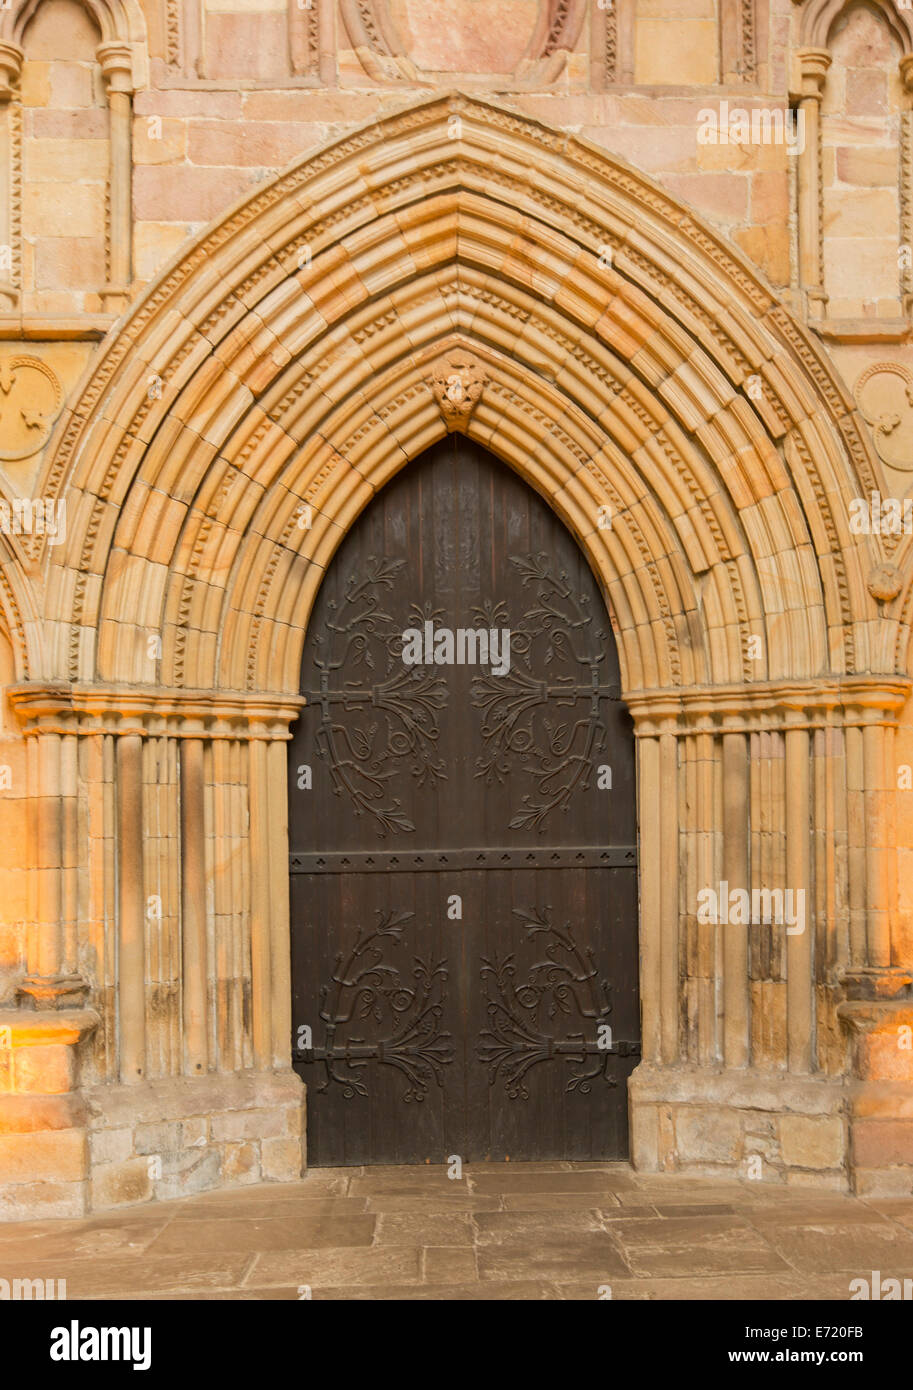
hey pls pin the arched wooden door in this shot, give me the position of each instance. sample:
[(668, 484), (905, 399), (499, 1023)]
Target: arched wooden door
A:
[(463, 876)]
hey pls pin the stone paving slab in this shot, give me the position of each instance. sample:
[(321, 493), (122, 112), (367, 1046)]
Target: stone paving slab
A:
[(545, 1231)]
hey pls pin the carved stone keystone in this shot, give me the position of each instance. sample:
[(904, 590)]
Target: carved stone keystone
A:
[(457, 384)]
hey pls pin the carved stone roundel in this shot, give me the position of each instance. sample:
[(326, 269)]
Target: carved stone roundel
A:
[(30, 398), (884, 394)]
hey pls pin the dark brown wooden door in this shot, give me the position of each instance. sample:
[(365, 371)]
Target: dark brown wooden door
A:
[(463, 862)]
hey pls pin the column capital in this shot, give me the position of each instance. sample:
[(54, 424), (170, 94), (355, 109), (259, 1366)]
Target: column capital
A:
[(10, 68), (153, 712), (868, 988), (813, 64), (52, 992), (116, 61)]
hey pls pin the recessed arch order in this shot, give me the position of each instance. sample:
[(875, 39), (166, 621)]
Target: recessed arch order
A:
[(632, 363)]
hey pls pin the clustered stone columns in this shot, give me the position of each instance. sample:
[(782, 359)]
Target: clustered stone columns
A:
[(813, 64), (117, 70), (747, 1025), (160, 869), (10, 70)]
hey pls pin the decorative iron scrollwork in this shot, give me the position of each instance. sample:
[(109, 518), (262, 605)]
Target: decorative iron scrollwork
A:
[(367, 753), (522, 725), (565, 985), (407, 1016)]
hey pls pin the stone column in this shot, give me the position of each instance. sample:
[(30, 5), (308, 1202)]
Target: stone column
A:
[(53, 981), (668, 870), (813, 66), (117, 70), (131, 909), (193, 907), (10, 69), (906, 186), (736, 874), (800, 1016), (650, 908), (873, 972), (878, 985), (326, 43), (280, 956), (260, 925)]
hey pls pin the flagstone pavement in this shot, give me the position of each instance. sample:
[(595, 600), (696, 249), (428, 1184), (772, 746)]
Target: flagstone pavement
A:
[(502, 1231)]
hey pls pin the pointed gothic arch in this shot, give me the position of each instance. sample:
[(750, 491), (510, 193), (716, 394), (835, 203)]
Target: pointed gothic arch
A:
[(647, 365), (619, 355)]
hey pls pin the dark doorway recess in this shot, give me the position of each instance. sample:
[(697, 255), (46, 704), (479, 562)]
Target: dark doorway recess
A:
[(463, 889)]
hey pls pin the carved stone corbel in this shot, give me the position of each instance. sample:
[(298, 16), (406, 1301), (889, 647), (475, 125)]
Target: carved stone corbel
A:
[(457, 383)]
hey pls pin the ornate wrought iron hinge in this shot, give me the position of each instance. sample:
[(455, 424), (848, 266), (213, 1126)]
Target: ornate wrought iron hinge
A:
[(407, 1009)]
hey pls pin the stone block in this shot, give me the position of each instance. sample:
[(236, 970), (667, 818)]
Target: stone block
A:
[(159, 140), (708, 1135), (247, 1124), (58, 1155), (880, 1143), (120, 1184), (162, 1138), (240, 1163), (194, 1131), (194, 1171), (38, 1201), (245, 45), (281, 1159), (63, 209), (63, 262), (812, 1141), (883, 1182), (110, 1145), (185, 194), (676, 52), (44, 1070)]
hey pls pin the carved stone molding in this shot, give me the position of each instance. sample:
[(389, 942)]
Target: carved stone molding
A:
[(457, 383), (11, 196), (818, 18), (884, 394), (153, 713), (852, 701), (547, 371), (304, 35), (116, 63), (383, 54), (10, 68)]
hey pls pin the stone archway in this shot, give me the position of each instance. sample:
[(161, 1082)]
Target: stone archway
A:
[(644, 380)]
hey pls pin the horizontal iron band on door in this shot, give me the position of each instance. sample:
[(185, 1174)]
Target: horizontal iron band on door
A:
[(550, 1047), (432, 860)]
